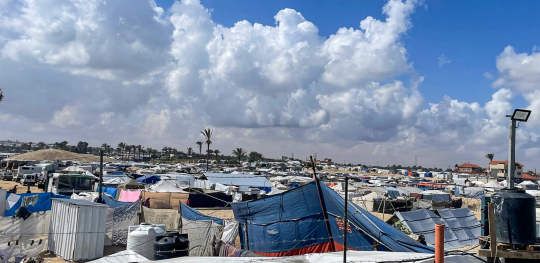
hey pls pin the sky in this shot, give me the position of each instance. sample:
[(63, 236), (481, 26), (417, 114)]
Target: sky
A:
[(370, 82)]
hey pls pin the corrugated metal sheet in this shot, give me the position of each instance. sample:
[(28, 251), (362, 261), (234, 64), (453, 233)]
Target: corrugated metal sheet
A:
[(77, 229)]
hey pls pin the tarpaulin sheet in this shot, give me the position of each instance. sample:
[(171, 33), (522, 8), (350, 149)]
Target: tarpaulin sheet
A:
[(463, 223), (422, 222), (194, 215), (115, 204), (112, 191), (169, 217), (165, 200), (332, 257), (202, 234), (34, 202), (277, 223), (148, 179), (129, 195)]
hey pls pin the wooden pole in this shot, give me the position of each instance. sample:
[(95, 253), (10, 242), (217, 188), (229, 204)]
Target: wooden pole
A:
[(492, 230), (345, 219), (323, 206), (439, 243)]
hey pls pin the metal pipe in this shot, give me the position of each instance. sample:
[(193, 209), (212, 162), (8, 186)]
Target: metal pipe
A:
[(439, 243), (345, 219), (323, 206), (512, 155), (101, 176)]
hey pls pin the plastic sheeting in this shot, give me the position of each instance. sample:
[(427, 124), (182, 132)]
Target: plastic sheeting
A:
[(121, 257), (230, 231), (129, 195), (148, 179), (202, 236), (34, 202), (119, 217), (277, 223), (112, 191), (165, 200), (333, 257), (35, 226), (239, 180), (194, 215), (169, 217), (165, 187)]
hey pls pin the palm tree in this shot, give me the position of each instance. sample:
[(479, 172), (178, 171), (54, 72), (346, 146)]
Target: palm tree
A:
[(189, 151), (490, 156), (207, 133), (1, 95), (139, 147), (199, 143), (41, 145), (239, 153), (120, 148)]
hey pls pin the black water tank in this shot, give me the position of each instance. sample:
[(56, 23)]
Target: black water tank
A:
[(171, 245), (515, 217)]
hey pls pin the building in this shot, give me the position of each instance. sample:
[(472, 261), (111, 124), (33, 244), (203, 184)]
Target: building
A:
[(529, 177), (467, 168), (500, 170)]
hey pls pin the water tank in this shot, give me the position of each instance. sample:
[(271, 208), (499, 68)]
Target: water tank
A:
[(141, 238), (515, 217), (171, 245)]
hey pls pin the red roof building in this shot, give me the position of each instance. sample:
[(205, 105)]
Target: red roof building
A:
[(467, 168), (529, 177)]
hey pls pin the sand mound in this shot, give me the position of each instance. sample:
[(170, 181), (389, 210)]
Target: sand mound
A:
[(55, 155)]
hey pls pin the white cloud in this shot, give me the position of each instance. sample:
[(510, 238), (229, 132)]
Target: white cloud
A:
[(487, 75), (144, 75), (443, 60), (68, 116)]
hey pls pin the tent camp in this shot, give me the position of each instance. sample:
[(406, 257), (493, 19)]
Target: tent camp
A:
[(293, 223)]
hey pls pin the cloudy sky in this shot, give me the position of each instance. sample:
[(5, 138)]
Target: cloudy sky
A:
[(357, 81)]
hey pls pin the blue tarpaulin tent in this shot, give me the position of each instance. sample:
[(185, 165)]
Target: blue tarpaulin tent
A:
[(110, 190), (194, 215), (292, 223), (113, 203), (34, 202), (148, 179)]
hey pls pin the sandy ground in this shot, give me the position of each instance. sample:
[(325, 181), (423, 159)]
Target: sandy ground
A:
[(20, 188)]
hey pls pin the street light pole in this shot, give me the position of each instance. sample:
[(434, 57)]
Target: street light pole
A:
[(512, 155)]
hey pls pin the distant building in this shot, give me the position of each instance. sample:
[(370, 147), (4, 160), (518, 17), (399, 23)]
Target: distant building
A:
[(529, 177), (500, 169), (328, 161), (467, 168)]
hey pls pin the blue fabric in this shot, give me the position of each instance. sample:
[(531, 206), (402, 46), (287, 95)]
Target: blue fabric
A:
[(295, 219), (194, 215), (43, 202), (110, 190), (113, 203), (148, 179)]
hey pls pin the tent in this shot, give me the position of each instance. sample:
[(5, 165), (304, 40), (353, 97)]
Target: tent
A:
[(493, 185), (132, 184), (194, 215), (165, 187), (292, 223), (249, 180), (33, 202), (112, 191), (148, 179)]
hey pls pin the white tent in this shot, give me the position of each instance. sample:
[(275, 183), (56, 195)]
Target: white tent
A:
[(121, 257), (493, 185), (165, 187)]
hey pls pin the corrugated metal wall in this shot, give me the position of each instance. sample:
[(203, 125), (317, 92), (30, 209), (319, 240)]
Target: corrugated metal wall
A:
[(77, 229)]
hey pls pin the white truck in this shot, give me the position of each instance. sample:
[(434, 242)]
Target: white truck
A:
[(22, 170)]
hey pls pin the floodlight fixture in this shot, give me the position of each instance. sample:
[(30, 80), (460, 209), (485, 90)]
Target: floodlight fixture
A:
[(521, 115)]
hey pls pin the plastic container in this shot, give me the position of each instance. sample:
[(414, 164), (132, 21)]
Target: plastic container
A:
[(515, 217), (171, 245), (141, 239)]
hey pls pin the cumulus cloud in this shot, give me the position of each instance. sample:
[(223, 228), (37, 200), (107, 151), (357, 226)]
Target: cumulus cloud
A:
[(98, 71), (487, 75)]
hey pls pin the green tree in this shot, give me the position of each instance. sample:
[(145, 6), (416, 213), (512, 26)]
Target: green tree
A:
[(216, 152), (121, 148), (207, 133), (41, 145), (1, 95), (239, 153), (189, 151), (82, 147), (255, 157)]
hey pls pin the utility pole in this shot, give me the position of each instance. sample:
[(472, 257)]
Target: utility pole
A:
[(345, 219), (415, 161), (512, 154), (101, 176)]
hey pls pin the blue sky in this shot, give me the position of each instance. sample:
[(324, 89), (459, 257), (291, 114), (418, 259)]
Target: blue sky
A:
[(469, 33)]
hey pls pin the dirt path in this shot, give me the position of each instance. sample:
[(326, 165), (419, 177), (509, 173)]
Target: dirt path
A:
[(20, 188)]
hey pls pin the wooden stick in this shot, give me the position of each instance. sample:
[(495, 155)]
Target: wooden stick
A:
[(492, 229)]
